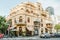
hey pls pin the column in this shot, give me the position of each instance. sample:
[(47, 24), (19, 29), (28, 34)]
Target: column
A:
[(43, 30), (48, 30), (23, 30), (44, 25), (39, 29), (39, 32), (32, 30), (18, 31)]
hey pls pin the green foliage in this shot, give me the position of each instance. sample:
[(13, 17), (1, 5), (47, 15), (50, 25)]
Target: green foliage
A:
[(3, 24), (57, 26), (9, 22), (11, 33)]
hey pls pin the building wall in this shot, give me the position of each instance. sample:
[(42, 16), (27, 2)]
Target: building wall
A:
[(32, 11)]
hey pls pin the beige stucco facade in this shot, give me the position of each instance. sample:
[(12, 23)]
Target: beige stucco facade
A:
[(30, 16)]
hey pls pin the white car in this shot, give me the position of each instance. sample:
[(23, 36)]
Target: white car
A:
[(46, 35)]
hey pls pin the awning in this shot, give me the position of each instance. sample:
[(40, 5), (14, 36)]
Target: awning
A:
[(30, 28), (9, 28), (14, 30), (12, 27)]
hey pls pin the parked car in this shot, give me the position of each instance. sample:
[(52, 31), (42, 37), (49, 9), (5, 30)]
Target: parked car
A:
[(1, 35), (42, 36), (46, 35), (55, 35)]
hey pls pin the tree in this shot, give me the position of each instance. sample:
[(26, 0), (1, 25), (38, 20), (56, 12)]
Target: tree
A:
[(57, 27), (3, 24)]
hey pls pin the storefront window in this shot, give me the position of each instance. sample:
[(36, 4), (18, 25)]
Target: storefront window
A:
[(42, 31), (46, 30)]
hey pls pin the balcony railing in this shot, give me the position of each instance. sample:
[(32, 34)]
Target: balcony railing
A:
[(20, 23), (44, 15)]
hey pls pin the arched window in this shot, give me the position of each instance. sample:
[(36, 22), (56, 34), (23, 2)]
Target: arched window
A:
[(27, 11), (21, 8), (20, 19), (31, 11), (28, 20), (15, 20)]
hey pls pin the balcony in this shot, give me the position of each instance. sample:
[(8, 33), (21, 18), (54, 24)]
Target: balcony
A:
[(36, 23), (20, 23), (44, 15), (49, 25)]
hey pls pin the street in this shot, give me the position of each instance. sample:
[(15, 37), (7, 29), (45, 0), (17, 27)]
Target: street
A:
[(30, 38)]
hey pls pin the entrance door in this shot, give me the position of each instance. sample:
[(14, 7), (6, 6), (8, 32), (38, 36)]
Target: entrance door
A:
[(20, 30), (36, 32), (46, 30), (28, 33), (36, 27)]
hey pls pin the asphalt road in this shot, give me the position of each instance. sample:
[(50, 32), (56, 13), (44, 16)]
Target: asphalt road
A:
[(29, 38)]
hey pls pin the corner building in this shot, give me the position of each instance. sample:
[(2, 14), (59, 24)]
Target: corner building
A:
[(29, 19)]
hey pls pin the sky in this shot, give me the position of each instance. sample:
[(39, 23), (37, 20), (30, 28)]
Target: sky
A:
[(7, 5)]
